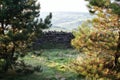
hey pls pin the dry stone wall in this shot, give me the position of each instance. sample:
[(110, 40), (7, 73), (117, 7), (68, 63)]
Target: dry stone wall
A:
[(52, 38)]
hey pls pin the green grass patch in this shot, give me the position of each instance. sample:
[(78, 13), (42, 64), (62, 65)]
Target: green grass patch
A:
[(54, 63)]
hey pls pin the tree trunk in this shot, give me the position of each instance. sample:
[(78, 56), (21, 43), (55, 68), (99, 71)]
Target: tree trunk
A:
[(9, 60), (6, 66), (2, 26), (117, 54)]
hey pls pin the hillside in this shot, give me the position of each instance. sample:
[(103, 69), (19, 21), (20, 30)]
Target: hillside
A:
[(66, 21)]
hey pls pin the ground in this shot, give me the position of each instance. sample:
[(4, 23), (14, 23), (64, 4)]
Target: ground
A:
[(54, 65)]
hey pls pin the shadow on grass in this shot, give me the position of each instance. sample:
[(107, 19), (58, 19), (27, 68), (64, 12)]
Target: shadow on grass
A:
[(50, 74), (55, 66)]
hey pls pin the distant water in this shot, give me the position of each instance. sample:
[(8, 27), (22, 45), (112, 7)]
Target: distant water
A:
[(66, 21)]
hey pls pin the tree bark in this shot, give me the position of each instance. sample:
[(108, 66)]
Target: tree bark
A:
[(117, 54)]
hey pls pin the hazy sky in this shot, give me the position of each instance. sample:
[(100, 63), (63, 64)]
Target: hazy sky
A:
[(63, 5)]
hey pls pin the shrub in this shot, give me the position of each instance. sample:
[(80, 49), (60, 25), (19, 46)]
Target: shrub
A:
[(99, 40)]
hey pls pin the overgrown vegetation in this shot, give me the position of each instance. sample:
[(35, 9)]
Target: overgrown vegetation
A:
[(19, 26), (99, 39), (54, 65)]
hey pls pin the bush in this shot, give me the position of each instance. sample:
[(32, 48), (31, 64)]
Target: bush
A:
[(99, 47)]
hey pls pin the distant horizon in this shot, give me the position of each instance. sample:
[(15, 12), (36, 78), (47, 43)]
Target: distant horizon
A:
[(66, 21)]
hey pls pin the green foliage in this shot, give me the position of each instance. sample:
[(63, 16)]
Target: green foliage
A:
[(100, 43), (82, 35), (116, 8), (101, 3), (19, 26), (99, 47)]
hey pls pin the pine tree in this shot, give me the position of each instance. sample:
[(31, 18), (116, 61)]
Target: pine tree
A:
[(112, 9), (19, 25), (99, 39)]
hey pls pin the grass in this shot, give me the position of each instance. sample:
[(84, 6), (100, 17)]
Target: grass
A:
[(54, 63)]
